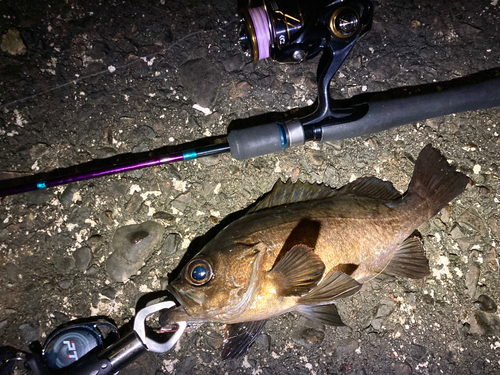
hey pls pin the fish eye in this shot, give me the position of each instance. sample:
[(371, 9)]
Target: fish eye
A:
[(199, 272)]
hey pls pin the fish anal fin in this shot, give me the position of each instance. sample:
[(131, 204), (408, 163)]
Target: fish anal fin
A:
[(409, 260), (239, 337), (323, 314), (371, 187), (297, 272), (334, 286)]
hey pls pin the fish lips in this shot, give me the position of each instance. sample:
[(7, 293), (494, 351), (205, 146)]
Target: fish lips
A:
[(190, 303)]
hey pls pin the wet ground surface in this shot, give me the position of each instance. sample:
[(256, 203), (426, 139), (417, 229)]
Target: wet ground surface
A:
[(88, 80)]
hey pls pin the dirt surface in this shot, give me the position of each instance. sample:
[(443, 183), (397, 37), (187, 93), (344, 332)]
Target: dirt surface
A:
[(83, 80)]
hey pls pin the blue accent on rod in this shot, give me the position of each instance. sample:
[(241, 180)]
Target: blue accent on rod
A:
[(189, 155), (40, 185), (284, 141)]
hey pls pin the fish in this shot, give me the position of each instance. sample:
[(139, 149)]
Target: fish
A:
[(303, 246)]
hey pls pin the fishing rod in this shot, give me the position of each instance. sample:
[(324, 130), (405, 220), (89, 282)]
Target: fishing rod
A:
[(292, 32)]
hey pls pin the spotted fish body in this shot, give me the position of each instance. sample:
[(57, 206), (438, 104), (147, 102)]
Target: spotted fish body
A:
[(303, 246)]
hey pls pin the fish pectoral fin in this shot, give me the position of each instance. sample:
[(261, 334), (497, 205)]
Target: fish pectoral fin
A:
[(239, 337), (297, 272), (409, 260), (323, 314), (334, 286)]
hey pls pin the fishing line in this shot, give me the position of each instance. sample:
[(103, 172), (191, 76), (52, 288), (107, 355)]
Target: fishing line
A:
[(104, 71)]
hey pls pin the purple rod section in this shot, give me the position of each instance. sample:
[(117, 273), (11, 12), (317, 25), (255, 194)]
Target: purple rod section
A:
[(104, 171)]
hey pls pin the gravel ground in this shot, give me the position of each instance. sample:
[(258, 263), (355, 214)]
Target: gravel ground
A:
[(88, 80)]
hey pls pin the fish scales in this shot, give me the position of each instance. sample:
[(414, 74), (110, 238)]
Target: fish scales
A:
[(303, 246)]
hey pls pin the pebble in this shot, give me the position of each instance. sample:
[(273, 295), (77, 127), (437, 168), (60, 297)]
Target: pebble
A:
[(66, 284), (12, 43), (29, 332), (308, 333), (83, 257), (12, 272), (402, 368), (471, 219), (66, 197), (164, 217), (134, 203), (201, 81), (471, 280), (132, 245), (234, 63), (172, 244), (64, 264), (345, 347), (384, 310), (486, 304)]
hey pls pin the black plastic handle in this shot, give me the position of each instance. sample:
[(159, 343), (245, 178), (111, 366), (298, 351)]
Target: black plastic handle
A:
[(383, 115)]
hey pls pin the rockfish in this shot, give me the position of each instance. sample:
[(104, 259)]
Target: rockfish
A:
[(303, 246)]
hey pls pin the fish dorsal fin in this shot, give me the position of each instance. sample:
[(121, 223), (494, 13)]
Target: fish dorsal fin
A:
[(239, 337), (297, 272), (335, 285), (409, 260), (371, 187), (323, 314), (288, 192)]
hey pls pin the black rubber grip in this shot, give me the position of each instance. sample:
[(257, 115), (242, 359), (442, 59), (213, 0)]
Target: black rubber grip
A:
[(383, 115), (256, 140)]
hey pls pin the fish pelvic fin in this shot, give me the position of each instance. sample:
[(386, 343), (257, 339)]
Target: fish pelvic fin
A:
[(297, 272), (323, 314), (239, 337), (435, 181), (409, 260), (334, 286)]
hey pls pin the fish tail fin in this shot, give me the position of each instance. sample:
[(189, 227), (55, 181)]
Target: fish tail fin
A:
[(435, 181)]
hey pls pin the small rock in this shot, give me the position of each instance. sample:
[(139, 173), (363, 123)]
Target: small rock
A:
[(494, 224), (109, 292), (209, 160), (384, 310), (470, 218), (132, 245), (471, 280), (134, 203), (372, 143), (94, 269), (484, 324), (234, 62), (83, 257), (308, 333), (486, 304), (417, 352), (66, 284), (201, 81), (263, 342), (30, 332), (64, 264), (402, 368), (345, 347), (12, 272), (240, 90), (164, 217), (181, 201), (172, 244), (12, 43), (383, 68), (143, 132), (66, 197)]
